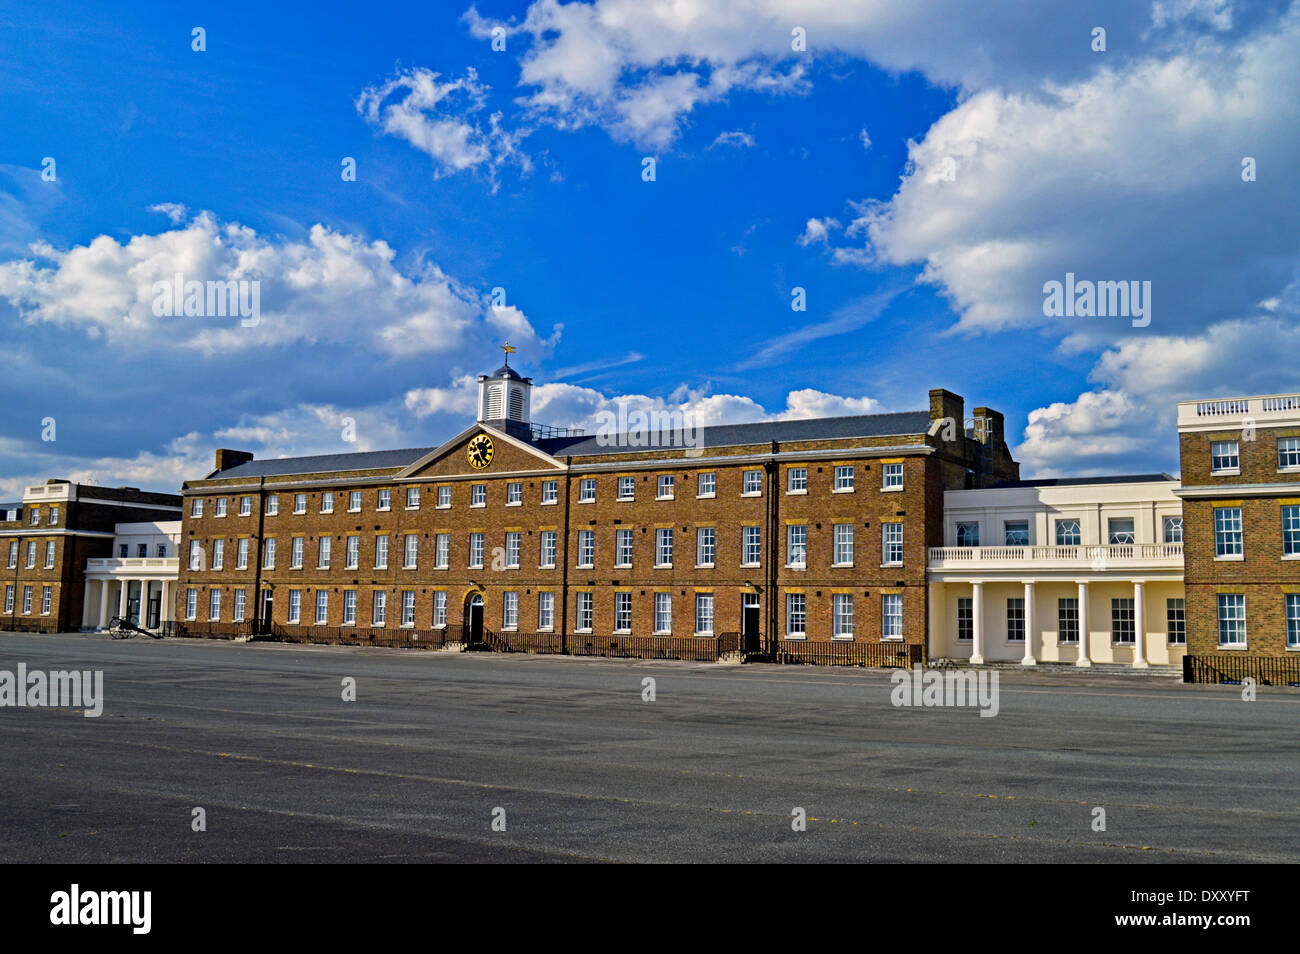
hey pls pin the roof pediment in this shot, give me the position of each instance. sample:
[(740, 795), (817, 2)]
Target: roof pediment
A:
[(507, 455)]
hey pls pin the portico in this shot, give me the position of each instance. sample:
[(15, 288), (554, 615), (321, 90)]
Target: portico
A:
[(140, 588), (1088, 572)]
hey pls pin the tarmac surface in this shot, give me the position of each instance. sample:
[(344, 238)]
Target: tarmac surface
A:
[(581, 768)]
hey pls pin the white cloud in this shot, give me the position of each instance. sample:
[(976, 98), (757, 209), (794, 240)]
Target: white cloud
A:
[(574, 406), (736, 137), (817, 230), (442, 120), (1128, 421), (461, 398), (1130, 174), (640, 68), (330, 287)]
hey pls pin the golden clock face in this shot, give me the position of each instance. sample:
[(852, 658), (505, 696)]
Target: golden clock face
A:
[(479, 451)]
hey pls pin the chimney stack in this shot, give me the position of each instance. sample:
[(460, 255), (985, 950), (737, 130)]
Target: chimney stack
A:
[(227, 459)]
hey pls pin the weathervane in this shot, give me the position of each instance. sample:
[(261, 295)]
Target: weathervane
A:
[(509, 349)]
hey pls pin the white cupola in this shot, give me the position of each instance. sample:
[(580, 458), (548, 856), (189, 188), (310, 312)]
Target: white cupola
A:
[(505, 396)]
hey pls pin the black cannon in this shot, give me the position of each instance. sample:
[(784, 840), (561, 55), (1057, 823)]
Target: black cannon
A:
[(122, 628)]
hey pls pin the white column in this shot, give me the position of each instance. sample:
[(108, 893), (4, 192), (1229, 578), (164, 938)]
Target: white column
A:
[(1085, 658), (164, 604), (937, 621), (103, 604), (121, 602), (1029, 659), (977, 624), (1139, 625)]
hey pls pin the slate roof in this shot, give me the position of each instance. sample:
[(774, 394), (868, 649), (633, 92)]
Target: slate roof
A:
[(904, 423), (1083, 481), (326, 463)]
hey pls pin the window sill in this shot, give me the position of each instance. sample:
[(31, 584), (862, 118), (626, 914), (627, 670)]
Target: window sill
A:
[(549, 503), (891, 490), (751, 493), (796, 493), (663, 566), (1235, 472), (841, 639), (704, 566), (705, 496), (665, 498), (592, 501), (841, 566), (796, 637), (844, 490), (1230, 558), (517, 503)]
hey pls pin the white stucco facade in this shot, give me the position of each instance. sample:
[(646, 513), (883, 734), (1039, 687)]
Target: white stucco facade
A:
[(139, 581), (1081, 572)]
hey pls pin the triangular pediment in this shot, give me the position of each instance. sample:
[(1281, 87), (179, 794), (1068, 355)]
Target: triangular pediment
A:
[(504, 454)]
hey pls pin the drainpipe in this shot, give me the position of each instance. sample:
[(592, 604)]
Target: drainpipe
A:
[(564, 556), (257, 554), (773, 546)]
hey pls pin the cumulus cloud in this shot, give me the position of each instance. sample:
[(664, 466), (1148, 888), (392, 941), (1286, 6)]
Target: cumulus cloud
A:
[(1128, 420), (570, 405), (1130, 174), (640, 68), (329, 287), (443, 120)]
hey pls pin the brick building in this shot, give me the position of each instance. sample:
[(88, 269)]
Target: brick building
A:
[(1241, 507), (802, 531), (46, 539)]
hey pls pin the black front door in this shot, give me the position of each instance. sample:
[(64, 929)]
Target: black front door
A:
[(152, 614), (476, 623), (266, 611), (749, 630)]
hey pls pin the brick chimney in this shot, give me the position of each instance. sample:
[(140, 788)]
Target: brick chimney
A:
[(944, 405), (227, 459)]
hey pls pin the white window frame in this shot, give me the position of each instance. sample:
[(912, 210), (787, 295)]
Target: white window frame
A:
[(663, 547), (706, 546), (704, 614), (796, 616)]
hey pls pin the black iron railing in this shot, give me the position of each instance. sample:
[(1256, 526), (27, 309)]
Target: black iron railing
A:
[(877, 655), (1234, 667)]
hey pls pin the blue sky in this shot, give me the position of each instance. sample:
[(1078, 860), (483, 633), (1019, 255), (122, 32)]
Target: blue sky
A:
[(920, 172)]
